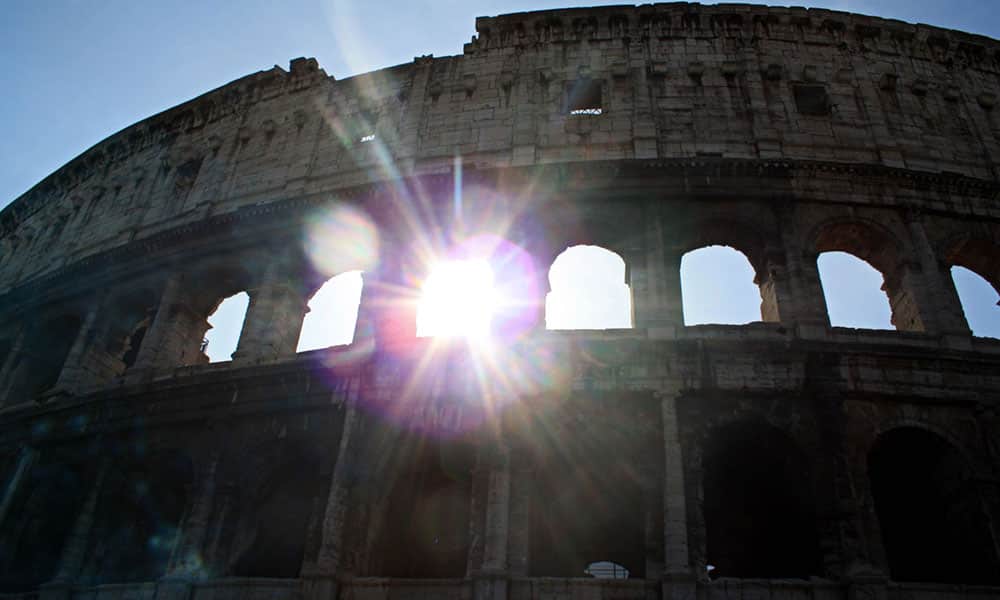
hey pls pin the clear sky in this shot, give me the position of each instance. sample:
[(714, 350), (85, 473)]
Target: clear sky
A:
[(79, 70)]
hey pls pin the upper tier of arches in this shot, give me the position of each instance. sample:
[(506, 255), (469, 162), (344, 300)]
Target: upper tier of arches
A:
[(288, 134)]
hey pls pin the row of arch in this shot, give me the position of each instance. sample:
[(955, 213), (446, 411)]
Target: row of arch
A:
[(588, 292), (757, 503), (595, 291)]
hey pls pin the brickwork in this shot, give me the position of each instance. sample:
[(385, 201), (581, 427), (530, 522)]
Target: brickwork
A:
[(399, 467)]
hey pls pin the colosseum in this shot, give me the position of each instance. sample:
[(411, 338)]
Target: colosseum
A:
[(784, 459)]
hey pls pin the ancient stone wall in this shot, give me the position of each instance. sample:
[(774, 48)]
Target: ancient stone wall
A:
[(774, 452)]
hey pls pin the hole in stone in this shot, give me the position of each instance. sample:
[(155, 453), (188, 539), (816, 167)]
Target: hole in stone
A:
[(811, 100), (979, 302), (853, 292), (588, 291), (333, 313), (583, 97), (226, 324), (717, 287), (605, 569)]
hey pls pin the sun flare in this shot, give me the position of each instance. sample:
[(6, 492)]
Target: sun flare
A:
[(458, 300)]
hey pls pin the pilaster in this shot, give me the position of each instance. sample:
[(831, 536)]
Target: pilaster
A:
[(274, 317), (75, 548)]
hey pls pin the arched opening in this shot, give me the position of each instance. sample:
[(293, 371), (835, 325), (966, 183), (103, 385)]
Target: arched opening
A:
[(42, 358), (854, 292), (930, 512), (333, 313), (126, 325), (979, 302), (278, 522), (589, 290), (38, 524), (759, 509), (139, 518), (425, 525), (848, 286), (225, 326), (589, 511), (717, 287)]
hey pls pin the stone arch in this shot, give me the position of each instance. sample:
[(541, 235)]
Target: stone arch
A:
[(139, 515), (609, 308), (32, 542), (206, 290), (978, 254), (930, 512), (878, 246), (46, 347), (278, 498), (127, 317), (981, 256), (341, 292), (745, 237), (759, 505), (422, 527), (595, 492)]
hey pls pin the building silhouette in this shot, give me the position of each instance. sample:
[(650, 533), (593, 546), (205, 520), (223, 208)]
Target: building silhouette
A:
[(785, 458)]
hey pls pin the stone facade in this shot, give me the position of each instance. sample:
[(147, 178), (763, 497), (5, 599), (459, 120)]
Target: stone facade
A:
[(797, 459)]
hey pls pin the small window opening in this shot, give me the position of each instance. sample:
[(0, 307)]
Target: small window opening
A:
[(811, 100), (588, 291), (979, 302), (333, 313), (584, 98), (367, 138), (226, 324), (605, 569), (854, 292), (717, 287)]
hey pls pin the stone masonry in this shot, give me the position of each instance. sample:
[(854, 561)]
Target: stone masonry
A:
[(782, 459)]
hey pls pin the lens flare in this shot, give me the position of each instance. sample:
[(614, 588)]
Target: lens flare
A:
[(339, 239), (458, 300)]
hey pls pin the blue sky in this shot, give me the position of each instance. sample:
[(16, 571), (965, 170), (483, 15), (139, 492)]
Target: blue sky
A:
[(79, 70)]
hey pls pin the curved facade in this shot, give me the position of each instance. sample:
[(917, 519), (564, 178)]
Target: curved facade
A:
[(783, 458)]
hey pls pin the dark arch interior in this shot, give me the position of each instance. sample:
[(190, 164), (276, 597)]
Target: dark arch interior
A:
[(42, 357), (425, 533), (31, 544), (281, 515), (584, 514), (139, 519), (592, 461), (759, 509), (932, 520)]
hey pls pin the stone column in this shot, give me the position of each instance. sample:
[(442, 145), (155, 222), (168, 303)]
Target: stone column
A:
[(75, 547), (321, 582), (187, 564), (9, 365), (274, 317), (491, 582), (678, 578), (519, 534), (946, 315), (25, 459), (73, 376), (174, 336), (655, 281)]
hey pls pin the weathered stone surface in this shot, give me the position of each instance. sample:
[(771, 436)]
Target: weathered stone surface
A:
[(398, 467)]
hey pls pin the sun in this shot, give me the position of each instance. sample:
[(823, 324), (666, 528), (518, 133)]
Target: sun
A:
[(457, 300)]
